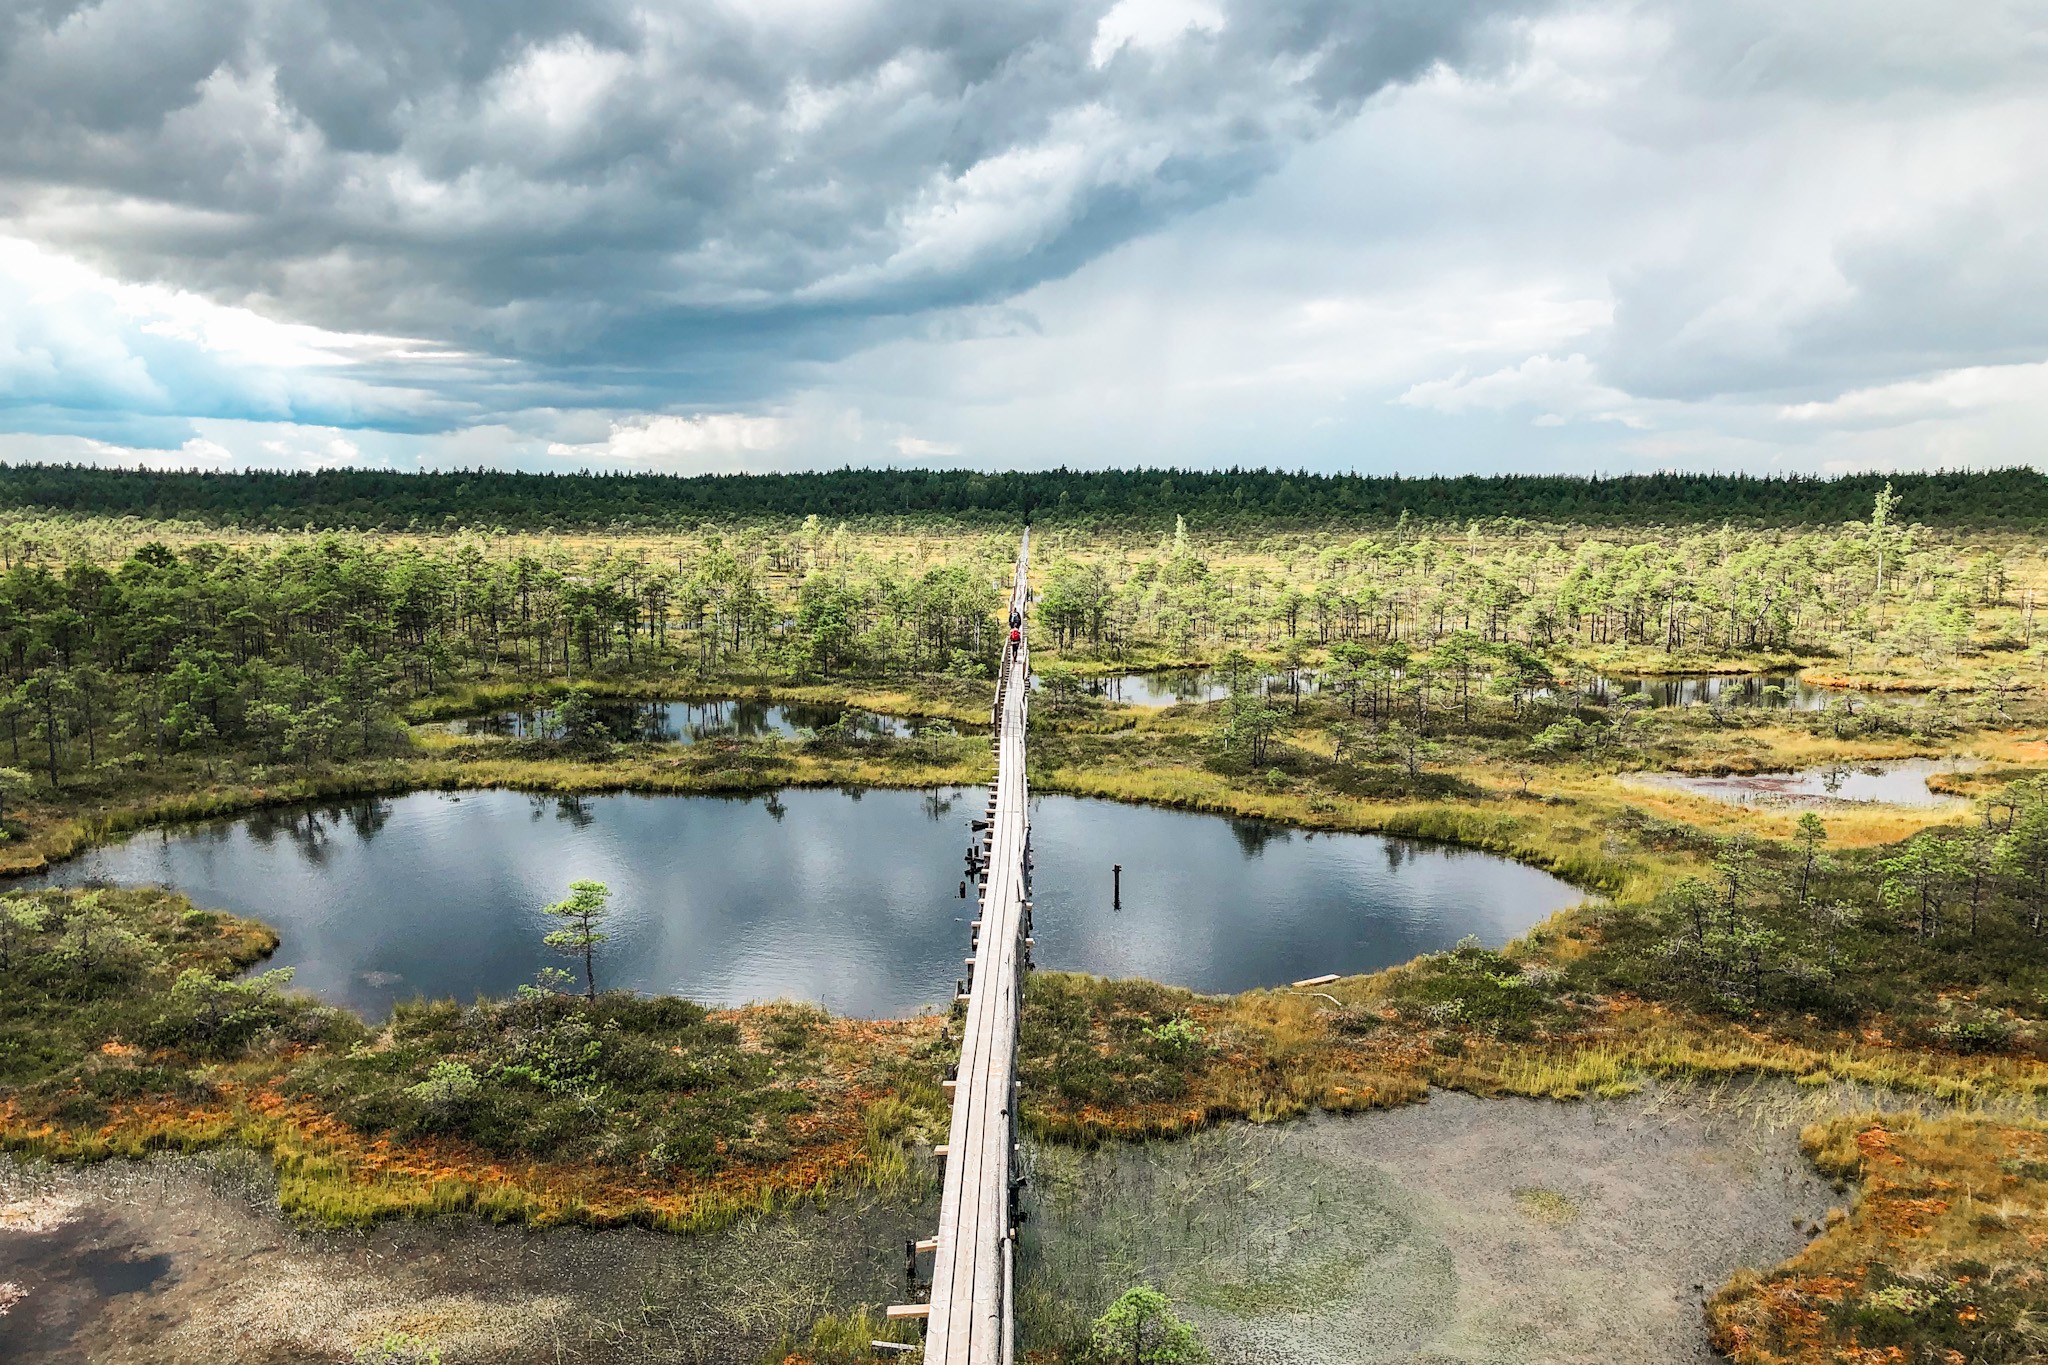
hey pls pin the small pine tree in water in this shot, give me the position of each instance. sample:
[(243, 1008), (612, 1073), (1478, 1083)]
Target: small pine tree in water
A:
[(583, 912), (1141, 1329)]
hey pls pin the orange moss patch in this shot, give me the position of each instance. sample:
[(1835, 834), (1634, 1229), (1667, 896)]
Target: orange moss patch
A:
[(1870, 682), (1938, 1261), (330, 1172)]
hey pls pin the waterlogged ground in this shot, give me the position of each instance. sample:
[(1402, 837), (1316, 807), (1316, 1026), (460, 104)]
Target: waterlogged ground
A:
[(1461, 1231), (1903, 782), (172, 1261)]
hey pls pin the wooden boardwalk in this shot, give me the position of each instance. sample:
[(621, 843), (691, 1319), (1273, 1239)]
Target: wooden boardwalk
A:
[(974, 1252)]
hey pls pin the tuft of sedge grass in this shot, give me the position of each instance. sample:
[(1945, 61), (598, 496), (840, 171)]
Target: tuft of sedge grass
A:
[(840, 1339), (1632, 1040)]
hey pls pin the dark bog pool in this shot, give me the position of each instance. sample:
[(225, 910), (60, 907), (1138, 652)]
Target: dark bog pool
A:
[(1164, 687), (685, 722), (1782, 690), (1167, 687), (847, 899)]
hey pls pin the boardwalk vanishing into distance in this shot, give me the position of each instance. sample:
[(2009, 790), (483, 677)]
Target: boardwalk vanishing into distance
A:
[(973, 1254)]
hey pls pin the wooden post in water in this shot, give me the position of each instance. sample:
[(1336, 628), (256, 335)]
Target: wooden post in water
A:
[(1116, 894)]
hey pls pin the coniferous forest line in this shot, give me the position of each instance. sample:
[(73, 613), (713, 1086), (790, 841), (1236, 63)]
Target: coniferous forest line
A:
[(1136, 498)]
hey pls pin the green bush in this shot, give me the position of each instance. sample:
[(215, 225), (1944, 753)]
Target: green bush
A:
[(1471, 985), (1179, 1039), (1141, 1329)]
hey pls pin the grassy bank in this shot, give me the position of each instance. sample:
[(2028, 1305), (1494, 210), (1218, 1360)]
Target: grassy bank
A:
[(1130, 1060), (964, 703)]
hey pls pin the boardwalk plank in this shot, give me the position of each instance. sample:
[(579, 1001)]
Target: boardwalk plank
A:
[(970, 1322)]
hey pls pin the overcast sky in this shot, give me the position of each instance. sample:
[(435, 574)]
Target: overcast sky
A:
[(1383, 235)]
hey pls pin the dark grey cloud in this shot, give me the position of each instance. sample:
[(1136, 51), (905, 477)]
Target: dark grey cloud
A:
[(1968, 289), (695, 189), (1871, 50), (1866, 200)]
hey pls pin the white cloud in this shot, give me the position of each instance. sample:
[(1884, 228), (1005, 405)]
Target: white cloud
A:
[(705, 440), (73, 340), (1557, 390), (1150, 25), (1954, 393), (1599, 241), (916, 447)]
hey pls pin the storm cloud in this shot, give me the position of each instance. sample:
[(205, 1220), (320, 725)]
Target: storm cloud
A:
[(612, 179), (1531, 233)]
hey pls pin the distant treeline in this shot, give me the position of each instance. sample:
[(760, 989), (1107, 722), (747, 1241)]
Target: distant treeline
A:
[(1146, 498)]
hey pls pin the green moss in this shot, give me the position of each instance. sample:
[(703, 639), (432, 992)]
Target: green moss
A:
[(1305, 1285)]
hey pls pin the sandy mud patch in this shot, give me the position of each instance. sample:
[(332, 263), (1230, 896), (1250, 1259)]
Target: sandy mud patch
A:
[(173, 1261)]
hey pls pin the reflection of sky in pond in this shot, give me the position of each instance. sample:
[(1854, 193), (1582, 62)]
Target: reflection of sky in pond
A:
[(1899, 783), (685, 722), (1222, 905), (1166, 687), (1728, 689), (850, 900)]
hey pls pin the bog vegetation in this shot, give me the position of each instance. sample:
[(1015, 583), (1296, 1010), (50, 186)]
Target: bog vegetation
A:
[(125, 649), (125, 1029), (1461, 679)]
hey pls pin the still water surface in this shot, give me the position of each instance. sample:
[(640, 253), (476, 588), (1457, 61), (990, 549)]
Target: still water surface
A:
[(1900, 782), (1779, 690), (850, 900), (1168, 687), (1160, 687), (684, 722)]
